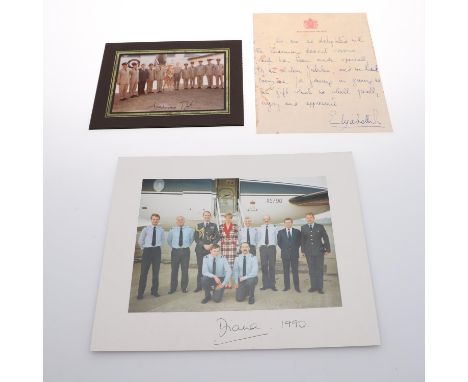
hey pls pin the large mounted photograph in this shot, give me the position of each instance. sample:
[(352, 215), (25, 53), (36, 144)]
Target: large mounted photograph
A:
[(169, 84), (235, 252)]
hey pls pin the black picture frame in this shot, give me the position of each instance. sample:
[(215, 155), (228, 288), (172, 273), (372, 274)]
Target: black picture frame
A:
[(103, 117)]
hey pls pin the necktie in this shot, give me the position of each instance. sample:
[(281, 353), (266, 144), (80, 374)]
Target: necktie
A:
[(214, 266), (267, 240), (244, 266), (289, 234), (248, 236), (153, 240), (181, 237), (310, 226)]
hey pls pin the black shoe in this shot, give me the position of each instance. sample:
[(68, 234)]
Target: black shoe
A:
[(184, 290), (263, 288), (321, 291), (274, 289), (139, 297), (133, 96), (171, 291), (312, 290), (285, 289), (155, 294), (197, 290), (251, 300), (205, 300), (297, 290)]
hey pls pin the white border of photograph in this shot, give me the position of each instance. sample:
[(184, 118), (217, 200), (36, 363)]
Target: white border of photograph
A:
[(353, 324)]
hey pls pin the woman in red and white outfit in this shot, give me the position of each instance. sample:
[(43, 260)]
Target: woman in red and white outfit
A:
[(229, 233)]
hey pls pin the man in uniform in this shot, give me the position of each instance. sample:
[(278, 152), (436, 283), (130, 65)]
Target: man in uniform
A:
[(206, 235), (248, 234), (186, 75), (142, 77), (150, 241), (267, 236), (289, 241), (216, 274), (177, 71), (159, 73), (209, 72), (245, 274), (123, 80), (191, 75), (199, 72), (315, 244), (219, 73), (150, 79), (134, 81), (179, 239)]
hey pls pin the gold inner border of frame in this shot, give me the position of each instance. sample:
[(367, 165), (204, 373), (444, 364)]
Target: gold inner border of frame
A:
[(227, 80)]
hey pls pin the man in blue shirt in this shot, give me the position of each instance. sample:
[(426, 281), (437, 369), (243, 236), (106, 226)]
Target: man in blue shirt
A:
[(179, 239), (150, 241), (248, 234), (245, 274), (216, 274), (267, 236)]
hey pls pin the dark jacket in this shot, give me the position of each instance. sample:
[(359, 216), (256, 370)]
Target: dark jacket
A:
[(143, 75), (208, 235), (289, 247), (314, 242)]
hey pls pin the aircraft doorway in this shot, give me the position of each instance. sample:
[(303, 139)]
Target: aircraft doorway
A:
[(227, 193)]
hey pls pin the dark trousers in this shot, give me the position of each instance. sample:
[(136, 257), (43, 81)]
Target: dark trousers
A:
[(268, 263), (208, 284), (200, 256), (291, 263), (151, 257), (179, 257), (246, 288), (176, 80), (315, 264), (141, 87)]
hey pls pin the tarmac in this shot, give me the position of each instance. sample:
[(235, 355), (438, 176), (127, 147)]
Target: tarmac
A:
[(268, 299), (172, 100)]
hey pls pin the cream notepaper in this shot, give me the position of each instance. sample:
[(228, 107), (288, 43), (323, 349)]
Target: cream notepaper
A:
[(317, 73)]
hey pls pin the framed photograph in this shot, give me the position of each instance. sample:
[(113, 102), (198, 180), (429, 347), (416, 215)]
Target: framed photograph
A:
[(169, 84), (235, 252)]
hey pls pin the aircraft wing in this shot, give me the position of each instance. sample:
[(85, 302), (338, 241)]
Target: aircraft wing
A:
[(319, 198)]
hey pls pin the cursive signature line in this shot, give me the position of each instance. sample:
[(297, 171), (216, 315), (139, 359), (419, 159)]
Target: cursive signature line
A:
[(240, 339)]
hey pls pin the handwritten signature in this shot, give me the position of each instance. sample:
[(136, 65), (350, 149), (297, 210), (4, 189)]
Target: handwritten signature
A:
[(240, 331), (355, 119)]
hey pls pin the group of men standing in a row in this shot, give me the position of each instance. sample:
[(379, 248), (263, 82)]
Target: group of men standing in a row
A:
[(133, 81), (213, 251)]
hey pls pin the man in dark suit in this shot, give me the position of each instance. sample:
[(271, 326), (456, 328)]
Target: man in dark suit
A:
[(315, 245), (206, 235), (289, 241), (142, 77)]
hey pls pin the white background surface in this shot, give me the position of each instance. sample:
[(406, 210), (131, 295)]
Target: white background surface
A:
[(80, 165)]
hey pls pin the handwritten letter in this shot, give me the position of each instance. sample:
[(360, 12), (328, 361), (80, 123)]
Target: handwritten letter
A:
[(317, 73)]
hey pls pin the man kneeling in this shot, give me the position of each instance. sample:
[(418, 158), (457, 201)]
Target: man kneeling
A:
[(245, 274), (216, 273)]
